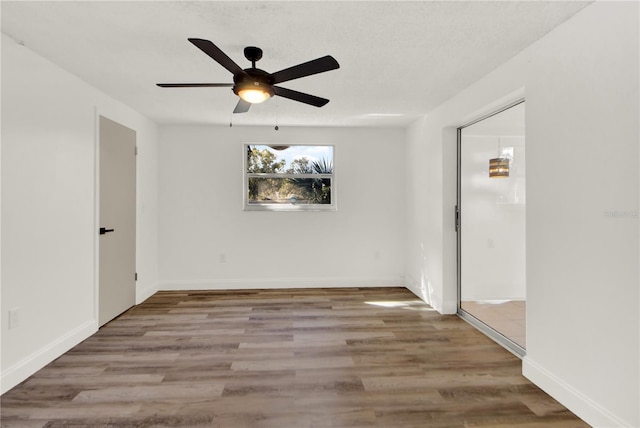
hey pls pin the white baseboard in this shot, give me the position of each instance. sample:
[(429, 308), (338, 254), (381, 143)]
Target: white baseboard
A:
[(585, 408), (262, 283), (28, 366)]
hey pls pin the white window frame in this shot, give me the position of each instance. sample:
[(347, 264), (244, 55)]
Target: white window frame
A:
[(257, 206)]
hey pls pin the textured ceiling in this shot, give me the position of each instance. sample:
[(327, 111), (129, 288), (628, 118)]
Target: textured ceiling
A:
[(397, 59)]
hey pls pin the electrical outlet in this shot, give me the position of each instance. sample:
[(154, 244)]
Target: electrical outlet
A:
[(14, 319), (222, 257)]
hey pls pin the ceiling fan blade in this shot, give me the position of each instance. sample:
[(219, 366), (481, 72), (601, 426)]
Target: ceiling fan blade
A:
[(195, 85), (216, 53), (316, 66), (242, 106), (300, 96)]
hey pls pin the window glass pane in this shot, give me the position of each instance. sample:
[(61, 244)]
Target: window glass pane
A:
[(281, 159), (294, 191)]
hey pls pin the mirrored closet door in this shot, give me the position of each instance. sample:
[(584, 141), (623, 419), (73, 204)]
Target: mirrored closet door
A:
[(491, 226)]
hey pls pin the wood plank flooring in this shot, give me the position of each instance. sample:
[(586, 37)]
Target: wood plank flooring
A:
[(507, 317), (374, 357)]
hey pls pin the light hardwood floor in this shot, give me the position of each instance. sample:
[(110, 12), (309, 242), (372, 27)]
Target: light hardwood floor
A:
[(374, 357), (507, 317)]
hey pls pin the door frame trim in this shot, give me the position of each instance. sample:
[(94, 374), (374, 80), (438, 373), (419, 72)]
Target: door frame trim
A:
[(96, 217)]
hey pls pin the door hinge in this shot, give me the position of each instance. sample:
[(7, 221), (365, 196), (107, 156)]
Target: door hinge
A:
[(136, 276), (457, 219), (136, 150)]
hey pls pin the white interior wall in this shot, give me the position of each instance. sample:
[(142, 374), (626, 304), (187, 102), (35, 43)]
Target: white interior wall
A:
[(49, 224), (201, 215), (584, 287), (581, 87)]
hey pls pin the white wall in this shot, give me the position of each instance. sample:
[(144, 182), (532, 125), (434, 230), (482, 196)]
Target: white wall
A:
[(587, 124), (201, 188), (581, 86), (49, 226)]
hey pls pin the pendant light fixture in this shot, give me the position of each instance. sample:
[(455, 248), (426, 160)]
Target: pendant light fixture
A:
[(499, 167)]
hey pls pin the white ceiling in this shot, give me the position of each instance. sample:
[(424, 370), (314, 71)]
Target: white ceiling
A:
[(397, 59)]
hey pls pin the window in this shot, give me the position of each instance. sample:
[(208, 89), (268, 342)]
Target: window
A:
[(289, 178)]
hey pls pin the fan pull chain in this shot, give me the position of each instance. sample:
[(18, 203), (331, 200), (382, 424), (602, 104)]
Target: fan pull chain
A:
[(276, 128)]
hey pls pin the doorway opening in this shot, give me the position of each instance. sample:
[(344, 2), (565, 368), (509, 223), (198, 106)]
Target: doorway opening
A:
[(491, 220)]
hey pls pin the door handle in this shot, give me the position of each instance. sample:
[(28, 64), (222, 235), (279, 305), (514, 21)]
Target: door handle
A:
[(104, 230)]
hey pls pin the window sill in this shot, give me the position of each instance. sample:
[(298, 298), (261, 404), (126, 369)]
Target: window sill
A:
[(289, 207)]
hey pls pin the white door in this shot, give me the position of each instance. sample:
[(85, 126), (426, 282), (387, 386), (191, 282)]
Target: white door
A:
[(117, 232)]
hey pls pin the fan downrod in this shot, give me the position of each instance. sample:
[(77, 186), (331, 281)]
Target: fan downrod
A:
[(253, 54)]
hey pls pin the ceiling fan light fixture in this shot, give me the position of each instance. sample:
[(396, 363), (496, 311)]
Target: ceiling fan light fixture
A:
[(253, 91), (254, 96)]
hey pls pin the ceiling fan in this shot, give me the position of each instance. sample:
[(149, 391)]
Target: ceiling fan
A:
[(253, 85)]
